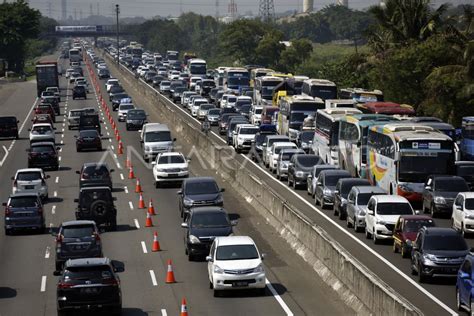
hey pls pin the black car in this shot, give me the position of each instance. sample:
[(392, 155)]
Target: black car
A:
[(465, 169), (206, 86), (300, 167), (43, 155), (24, 211), (89, 121), (437, 252), (439, 193), (225, 117), (9, 127), (135, 119), (176, 95), (157, 80), (149, 76), (305, 140), (343, 187), (117, 98), (88, 139), (202, 225), (260, 138), (115, 90), (79, 92), (103, 74), (90, 283), (93, 174), (53, 101), (212, 94), (199, 191), (97, 204), (76, 239)]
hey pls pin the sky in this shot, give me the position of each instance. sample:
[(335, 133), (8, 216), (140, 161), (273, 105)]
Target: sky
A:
[(150, 8)]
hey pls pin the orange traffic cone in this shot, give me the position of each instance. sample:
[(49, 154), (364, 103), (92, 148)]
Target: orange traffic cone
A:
[(127, 163), (148, 222), (141, 203), (138, 187), (113, 126), (151, 209), (118, 137), (184, 308), (169, 274), (120, 148), (156, 243), (131, 175)]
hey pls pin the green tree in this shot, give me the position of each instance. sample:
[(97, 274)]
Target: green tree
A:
[(293, 56), (269, 49)]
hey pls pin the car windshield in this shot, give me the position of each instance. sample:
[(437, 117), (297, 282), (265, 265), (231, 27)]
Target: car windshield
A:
[(28, 176), (236, 252), (306, 161), (171, 159), (469, 204), (258, 111), (444, 242), (120, 96), (136, 115), (206, 106), (306, 136), (201, 187), (331, 181), (88, 273), (77, 231), (41, 149), (287, 156), (164, 136), (278, 149), (47, 94), (231, 99), (249, 130), (126, 106), (24, 201), (214, 112), (95, 171), (75, 113), (414, 225), (347, 186), (165, 83), (451, 185), (363, 198), (465, 171), (88, 133), (394, 208), (209, 219), (41, 129)]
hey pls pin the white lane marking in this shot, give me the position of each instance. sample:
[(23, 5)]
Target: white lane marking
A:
[(130, 204), (115, 155), (62, 136), (64, 124), (110, 139), (108, 134), (137, 224), (106, 128), (163, 312), (144, 247), (59, 158), (6, 155), (55, 193), (61, 150), (121, 176), (53, 209), (56, 180), (153, 278), (125, 188), (27, 116), (43, 283), (47, 253), (278, 298), (62, 141), (113, 148), (62, 130), (118, 164)]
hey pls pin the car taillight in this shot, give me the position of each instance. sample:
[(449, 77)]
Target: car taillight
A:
[(110, 281), (7, 211), (15, 183), (97, 238), (59, 240), (43, 182), (85, 176), (40, 210), (64, 285)]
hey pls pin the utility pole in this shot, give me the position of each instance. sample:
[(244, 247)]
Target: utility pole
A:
[(232, 10), (267, 10), (90, 9), (117, 12), (217, 10), (50, 10)]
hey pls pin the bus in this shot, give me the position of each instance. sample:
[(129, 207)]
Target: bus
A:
[(258, 72), (326, 134), (388, 108), (235, 79), (197, 67), (187, 56), (293, 111), (467, 138), (319, 88), (353, 130), (172, 55), (361, 95), (263, 90), (400, 157), (75, 55)]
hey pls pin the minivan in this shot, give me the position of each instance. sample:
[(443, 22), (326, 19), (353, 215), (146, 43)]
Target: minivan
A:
[(8, 126), (155, 138)]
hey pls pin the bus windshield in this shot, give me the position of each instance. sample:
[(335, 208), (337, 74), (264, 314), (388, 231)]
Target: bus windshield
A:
[(198, 69), (238, 81), (417, 168), (324, 92)]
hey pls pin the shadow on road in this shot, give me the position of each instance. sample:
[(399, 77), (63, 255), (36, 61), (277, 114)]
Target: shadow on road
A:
[(7, 292)]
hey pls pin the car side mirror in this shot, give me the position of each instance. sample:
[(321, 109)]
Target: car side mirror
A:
[(118, 266), (263, 256), (319, 183), (57, 273), (417, 212), (76, 200), (174, 139), (370, 212), (458, 207), (153, 162), (29, 129), (48, 176), (428, 188), (180, 192), (336, 191), (234, 222), (12, 178), (209, 259), (141, 141), (58, 148), (222, 189), (184, 225), (75, 136), (78, 172), (112, 170)]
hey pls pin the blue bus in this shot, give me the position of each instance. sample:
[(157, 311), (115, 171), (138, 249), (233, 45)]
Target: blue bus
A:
[(467, 138), (235, 79)]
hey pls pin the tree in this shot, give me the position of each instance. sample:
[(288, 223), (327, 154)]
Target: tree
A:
[(269, 49), (293, 56), (18, 22)]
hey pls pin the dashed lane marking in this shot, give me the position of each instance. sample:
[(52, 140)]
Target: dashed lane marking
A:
[(130, 204), (163, 312), (125, 188), (53, 209), (278, 298), (47, 253), (56, 180), (144, 247), (43, 283), (121, 177), (153, 278), (137, 224)]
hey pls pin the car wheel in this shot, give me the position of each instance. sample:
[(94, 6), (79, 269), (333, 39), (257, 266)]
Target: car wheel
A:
[(374, 238), (62, 313), (211, 286), (217, 293), (471, 307), (59, 266), (463, 231), (78, 149), (335, 211), (367, 234), (356, 226), (404, 252), (394, 247), (261, 292), (348, 223), (294, 184), (432, 211), (421, 278), (321, 202), (8, 231), (69, 127), (113, 225), (190, 257), (413, 270), (278, 176), (157, 184)]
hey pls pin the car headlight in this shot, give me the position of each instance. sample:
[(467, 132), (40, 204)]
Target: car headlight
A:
[(147, 148), (429, 257), (218, 270), (361, 212), (188, 202), (439, 200), (327, 191), (219, 199), (304, 145), (258, 269), (194, 240), (380, 222), (299, 173), (469, 215)]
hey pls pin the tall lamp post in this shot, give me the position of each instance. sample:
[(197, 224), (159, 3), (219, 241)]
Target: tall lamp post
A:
[(117, 11)]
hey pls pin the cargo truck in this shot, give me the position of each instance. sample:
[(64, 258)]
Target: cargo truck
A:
[(46, 75)]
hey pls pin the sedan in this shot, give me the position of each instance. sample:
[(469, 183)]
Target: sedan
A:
[(123, 109), (95, 174), (88, 139)]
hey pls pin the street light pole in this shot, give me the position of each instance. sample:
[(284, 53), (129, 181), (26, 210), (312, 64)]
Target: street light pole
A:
[(117, 11)]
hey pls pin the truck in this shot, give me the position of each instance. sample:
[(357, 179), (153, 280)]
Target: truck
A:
[(46, 75)]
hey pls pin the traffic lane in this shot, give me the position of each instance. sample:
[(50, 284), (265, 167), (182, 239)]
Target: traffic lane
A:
[(302, 277)]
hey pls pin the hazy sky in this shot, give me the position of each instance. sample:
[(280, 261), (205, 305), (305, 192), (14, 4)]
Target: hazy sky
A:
[(149, 8)]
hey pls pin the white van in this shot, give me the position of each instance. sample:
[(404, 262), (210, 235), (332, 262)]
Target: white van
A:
[(155, 138)]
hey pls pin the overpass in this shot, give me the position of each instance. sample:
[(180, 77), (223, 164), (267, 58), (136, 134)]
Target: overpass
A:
[(94, 31)]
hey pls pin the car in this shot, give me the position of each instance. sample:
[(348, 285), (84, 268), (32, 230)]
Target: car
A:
[(46, 108), (9, 127), (170, 167), (56, 92), (82, 82), (196, 104), (75, 74), (300, 167), (43, 155), (437, 252), (462, 218), (103, 73), (256, 148), (313, 177), (341, 193), (51, 98), (283, 161), (203, 224), (199, 191), (203, 109), (234, 122), (405, 231), (155, 139), (114, 90), (89, 121), (224, 120), (118, 98), (110, 83), (24, 211), (149, 76), (304, 140), (42, 118), (267, 146), (88, 139), (185, 97), (234, 262), (135, 119), (192, 82), (79, 92), (30, 180), (94, 174), (326, 185), (356, 207), (212, 116), (176, 95), (256, 115), (439, 193), (382, 214), (465, 169), (275, 150), (227, 101), (97, 204), (73, 118), (76, 239), (90, 283), (164, 86), (123, 109), (464, 285), (42, 132)]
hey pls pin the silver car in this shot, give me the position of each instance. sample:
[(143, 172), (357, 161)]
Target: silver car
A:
[(42, 132), (30, 180), (212, 116), (356, 207), (313, 177), (73, 118), (283, 160), (123, 110)]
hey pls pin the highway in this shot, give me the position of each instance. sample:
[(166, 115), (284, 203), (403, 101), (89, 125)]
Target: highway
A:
[(27, 283), (434, 298)]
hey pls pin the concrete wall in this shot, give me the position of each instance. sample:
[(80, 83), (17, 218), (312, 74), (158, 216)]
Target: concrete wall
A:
[(357, 286)]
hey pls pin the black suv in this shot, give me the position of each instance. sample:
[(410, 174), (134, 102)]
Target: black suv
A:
[(9, 126), (43, 155), (95, 174), (90, 283), (90, 121), (135, 119), (439, 193), (77, 239), (202, 226), (79, 92), (199, 191), (97, 204), (343, 187), (437, 252), (300, 167), (88, 139)]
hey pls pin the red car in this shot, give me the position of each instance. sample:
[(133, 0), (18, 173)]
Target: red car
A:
[(405, 231), (46, 108)]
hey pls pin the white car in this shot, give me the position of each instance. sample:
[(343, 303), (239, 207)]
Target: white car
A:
[(382, 214), (197, 102), (463, 213), (235, 263), (30, 180), (173, 75), (69, 71), (243, 136), (256, 115), (170, 167), (42, 132), (110, 83), (193, 81), (228, 101), (275, 151), (123, 110)]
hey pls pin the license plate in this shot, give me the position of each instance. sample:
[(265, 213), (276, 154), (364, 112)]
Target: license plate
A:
[(240, 284), (90, 290), (79, 247), (172, 175), (29, 187)]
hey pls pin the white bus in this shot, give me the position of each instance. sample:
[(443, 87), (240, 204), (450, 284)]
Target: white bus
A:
[(263, 90), (319, 88), (75, 55), (402, 155), (197, 67), (325, 141)]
